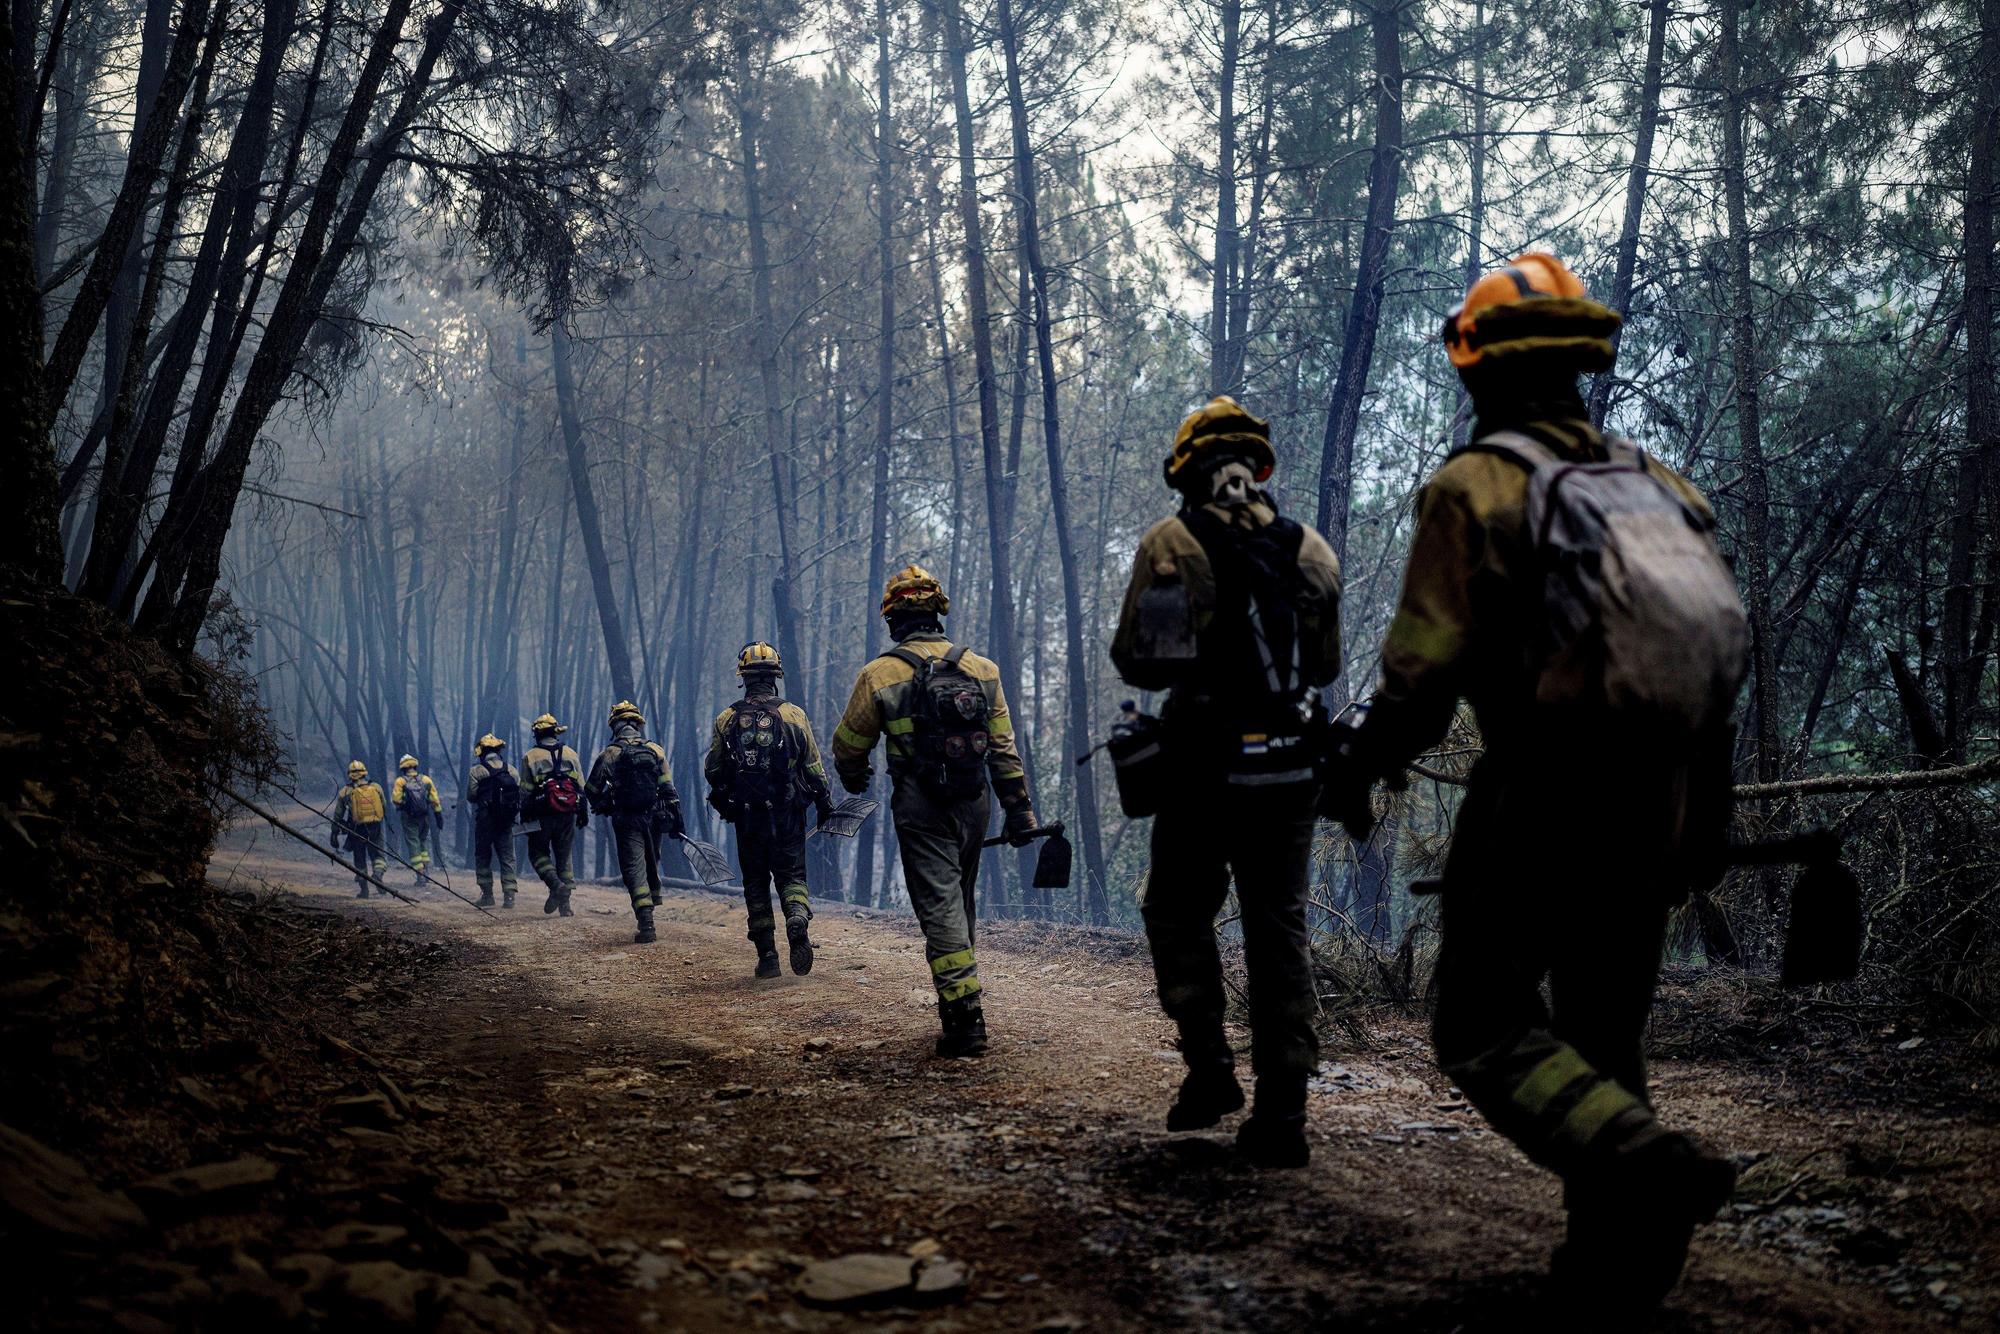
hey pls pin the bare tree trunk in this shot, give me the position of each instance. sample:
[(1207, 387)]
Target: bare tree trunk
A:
[(29, 541), (748, 121), (1364, 313), (1221, 379), (617, 649), (1963, 666), (1475, 209), (1755, 562), (1077, 690), (1660, 12)]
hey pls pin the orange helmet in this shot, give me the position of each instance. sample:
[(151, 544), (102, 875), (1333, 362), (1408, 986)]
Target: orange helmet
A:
[(1533, 305), (913, 588)]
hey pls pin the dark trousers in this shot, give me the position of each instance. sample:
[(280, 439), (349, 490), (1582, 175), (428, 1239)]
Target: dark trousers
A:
[(772, 848), (638, 858), (1550, 880), (1262, 837), (551, 852), (939, 841), (493, 844)]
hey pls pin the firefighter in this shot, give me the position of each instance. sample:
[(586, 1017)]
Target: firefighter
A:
[(359, 813), (416, 799), (552, 797), (630, 782), (948, 736), (763, 771), (1555, 874), (494, 789), (1234, 610)]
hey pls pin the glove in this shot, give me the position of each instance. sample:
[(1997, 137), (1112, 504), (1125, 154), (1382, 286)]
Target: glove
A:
[(823, 808), (1021, 825), (1345, 799), (582, 818), (672, 824), (725, 809), (438, 818), (857, 780)]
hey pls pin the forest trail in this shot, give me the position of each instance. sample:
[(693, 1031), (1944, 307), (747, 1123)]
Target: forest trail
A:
[(702, 1136)]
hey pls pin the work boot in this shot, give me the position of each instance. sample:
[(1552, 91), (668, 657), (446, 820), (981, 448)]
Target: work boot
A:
[(1274, 1136), (485, 898), (562, 908), (507, 900), (552, 902), (796, 917), (767, 953), (1210, 1091), (964, 1025), (645, 934), (1630, 1223), (361, 893)]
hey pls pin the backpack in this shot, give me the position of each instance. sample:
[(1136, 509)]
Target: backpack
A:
[(500, 794), (759, 751), (948, 716), (635, 778), (416, 804), (1640, 611), (560, 793), (1252, 660), (364, 803)]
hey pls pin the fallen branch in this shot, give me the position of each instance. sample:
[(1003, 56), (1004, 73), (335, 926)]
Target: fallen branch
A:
[(1889, 782), (335, 857)]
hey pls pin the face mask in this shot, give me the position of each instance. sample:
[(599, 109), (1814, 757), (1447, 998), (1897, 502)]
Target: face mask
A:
[(1232, 484)]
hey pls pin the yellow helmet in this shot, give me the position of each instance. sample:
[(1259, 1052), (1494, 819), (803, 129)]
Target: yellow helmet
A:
[(913, 588), (625, 711), (490, 742), (759, 656), (547, 725), (1219, 427), (407, 762), (356, 770), (1533, 306)]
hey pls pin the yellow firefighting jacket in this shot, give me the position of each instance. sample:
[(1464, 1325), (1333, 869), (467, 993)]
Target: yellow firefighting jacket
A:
[(882, 705), (424, 784), (538, 765), (809, 771), (1466, 623), (359, 803), (1169, 556), (481, 773), (598, 790)]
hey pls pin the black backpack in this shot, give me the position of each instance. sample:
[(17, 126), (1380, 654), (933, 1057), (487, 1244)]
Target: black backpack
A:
[(416, 798), (948, 714), (635, 778), (1252, 661), (500, 794), (759, 750)]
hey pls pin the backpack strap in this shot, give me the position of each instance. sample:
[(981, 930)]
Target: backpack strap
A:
[(953, 658), (916, 661), (1519, 446)]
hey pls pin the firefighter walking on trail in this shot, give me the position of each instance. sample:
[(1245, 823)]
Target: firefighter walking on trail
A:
[(494, 789), (1233, 609), (764, 771), (942, 717), (630, 782), (1569, 586), (416, 799), (360, 812), (552, 797)]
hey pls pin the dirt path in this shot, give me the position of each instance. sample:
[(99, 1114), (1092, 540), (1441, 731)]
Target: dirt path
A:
[(683, 1139)]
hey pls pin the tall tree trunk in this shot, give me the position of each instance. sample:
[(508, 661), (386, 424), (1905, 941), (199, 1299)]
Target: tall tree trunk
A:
[(1963, 666), (589, 526), (1364, 312), (29, 541), (1078, 689), (749, 119), (1005, 645), (1221, 378), (1475, 209), (1755, 560), (500, 634), (1660, 11)]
